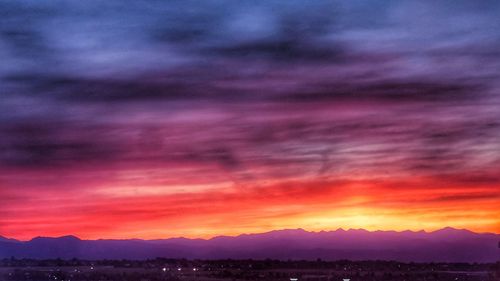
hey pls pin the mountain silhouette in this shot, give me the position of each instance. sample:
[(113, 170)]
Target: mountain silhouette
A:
[(445, 245)]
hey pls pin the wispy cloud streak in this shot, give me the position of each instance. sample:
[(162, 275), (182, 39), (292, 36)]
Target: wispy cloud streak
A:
[(162, 116)]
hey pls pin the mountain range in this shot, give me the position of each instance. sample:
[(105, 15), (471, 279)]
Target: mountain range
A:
[(445, 245)]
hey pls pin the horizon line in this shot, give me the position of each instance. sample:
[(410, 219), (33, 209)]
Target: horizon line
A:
[(254, 233)]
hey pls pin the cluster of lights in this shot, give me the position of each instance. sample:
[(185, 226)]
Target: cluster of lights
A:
[(164, 269)]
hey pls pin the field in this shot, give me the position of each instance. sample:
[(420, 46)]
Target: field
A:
[(213, 270)]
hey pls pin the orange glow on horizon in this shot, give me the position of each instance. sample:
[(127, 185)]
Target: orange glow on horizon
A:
[(226, 210)]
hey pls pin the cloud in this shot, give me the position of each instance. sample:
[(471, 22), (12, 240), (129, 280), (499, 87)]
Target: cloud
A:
[(289, 105)]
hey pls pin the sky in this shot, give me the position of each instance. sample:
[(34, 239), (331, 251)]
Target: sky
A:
[(157, 119)]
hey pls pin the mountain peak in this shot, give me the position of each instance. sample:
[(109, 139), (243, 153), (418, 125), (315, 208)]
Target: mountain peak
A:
[(359, 230), (289, 230), (61, 238), (5, 239), (70, 237), (449, 229)]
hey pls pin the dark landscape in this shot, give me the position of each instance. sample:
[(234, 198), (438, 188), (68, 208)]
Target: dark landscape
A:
[(213, 270)]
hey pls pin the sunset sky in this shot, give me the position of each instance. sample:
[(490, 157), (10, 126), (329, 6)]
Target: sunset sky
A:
[(142, 119)]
